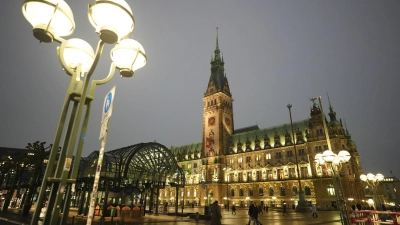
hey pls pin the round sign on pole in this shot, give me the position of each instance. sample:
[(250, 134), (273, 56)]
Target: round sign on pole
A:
[(107, 111), (108, 105)]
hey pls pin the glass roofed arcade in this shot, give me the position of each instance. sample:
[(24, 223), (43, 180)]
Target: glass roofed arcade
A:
[(130, 176)]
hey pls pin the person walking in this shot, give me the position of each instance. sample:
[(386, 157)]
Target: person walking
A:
[(254, 215), (285, 209), (250, 212), (215, 214), (233, 209), (314, 210)]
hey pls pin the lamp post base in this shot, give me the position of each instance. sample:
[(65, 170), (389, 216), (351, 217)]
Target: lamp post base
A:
[(302, 204)]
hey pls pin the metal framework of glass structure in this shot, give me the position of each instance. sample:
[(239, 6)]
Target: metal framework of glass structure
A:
[(143, 169)]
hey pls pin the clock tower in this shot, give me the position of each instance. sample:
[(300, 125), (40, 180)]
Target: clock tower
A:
[(217, 111)]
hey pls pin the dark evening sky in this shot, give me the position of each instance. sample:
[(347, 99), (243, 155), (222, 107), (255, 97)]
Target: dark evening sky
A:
[(275, 53)]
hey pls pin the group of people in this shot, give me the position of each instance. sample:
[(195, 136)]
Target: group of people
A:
[(253, 212)]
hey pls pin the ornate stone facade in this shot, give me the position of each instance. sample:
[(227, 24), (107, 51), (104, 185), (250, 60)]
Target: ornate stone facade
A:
[(236, 166)]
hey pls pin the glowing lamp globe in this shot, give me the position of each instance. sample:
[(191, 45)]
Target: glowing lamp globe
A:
[(128, 56), (379, 177), (318, 159), (371, 176), (328, 156), (78, 51), (344, 156), (49, 18), (112, 19), (363, 177)]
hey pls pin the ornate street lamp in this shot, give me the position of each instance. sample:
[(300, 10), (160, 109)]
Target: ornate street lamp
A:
[(373, 181), (334, 162), (51, 20)]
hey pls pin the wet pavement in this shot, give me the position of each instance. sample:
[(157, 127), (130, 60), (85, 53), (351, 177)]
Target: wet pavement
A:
[(241, 218)]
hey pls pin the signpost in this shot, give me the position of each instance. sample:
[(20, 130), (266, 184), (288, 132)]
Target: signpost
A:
[(106, 115)]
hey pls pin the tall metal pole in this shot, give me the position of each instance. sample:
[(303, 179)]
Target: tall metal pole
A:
[(336, 176), (301, 205)]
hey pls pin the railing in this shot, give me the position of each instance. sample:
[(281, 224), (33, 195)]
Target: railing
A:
[(369, 217)]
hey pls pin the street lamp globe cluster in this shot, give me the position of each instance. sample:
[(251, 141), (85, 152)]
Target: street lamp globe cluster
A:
[(51, 21), (328, 156), (334, 162), (112, 20), (373, 181)]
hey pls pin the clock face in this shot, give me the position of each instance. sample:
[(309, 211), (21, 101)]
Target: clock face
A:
[(211, 121), (227, 121)]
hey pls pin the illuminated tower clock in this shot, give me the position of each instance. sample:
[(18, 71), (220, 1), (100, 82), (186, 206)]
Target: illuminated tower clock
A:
[(217, 110)]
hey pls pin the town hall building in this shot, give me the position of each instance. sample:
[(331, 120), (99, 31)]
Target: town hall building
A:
[(236, 166)]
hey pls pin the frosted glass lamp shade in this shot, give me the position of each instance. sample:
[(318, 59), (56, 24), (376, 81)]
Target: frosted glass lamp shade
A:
[(328, 156), (49, 18), (344, 156), (112, 19), (78, 51), (379, 177), (318, 159), (370, 176), (128, 56), (363, 177)]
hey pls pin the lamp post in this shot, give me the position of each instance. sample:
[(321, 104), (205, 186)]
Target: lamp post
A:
[(52, 20), (373, 181), (301, 205), (334, 162)]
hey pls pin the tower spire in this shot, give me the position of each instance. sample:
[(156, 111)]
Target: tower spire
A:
[(217, 51)]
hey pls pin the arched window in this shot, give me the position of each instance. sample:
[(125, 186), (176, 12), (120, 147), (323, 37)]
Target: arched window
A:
[(241, 192), (232, 192), (261, 192), (283, 191), (307, 190), (271, 191), (330, 189), (294, 190), (250, 191)]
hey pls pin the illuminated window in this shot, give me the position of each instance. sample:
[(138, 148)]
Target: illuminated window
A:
[(240, 160), (261, 192), (250, 191), (268, 156), (307, 190), (294, 190), (330, 189), (271, 191), (248, 159), (283, 191)]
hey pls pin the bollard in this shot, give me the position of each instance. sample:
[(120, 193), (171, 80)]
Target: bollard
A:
[(73, 220), (197, 216)]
